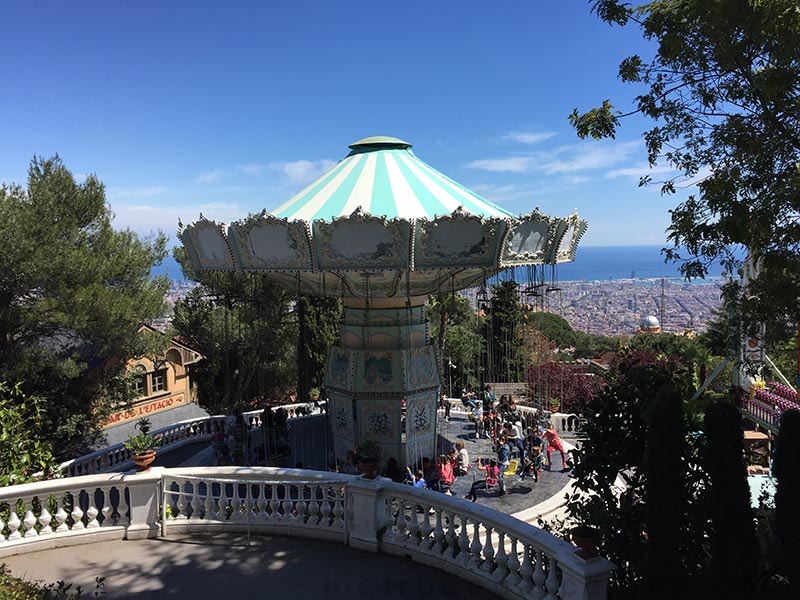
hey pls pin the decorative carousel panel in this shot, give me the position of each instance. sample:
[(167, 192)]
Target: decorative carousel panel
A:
[(420, 415), (267, 242), (378, 371), (568, 243), (457, 240), (529, 239), (419, 368), (361, 242), (208, 246), (379, 419), (341, 411), (341, 368)]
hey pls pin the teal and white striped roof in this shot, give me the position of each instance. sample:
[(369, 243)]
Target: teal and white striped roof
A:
[(384, 177)]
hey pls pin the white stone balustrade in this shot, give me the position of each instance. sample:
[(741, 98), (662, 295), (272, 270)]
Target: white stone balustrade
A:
[(495, 551), (190, 431)]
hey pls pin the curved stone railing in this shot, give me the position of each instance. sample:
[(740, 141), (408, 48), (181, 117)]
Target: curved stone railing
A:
[(495, 551), (117, 458)]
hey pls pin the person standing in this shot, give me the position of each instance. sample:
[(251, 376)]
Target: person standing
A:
[(444, 402), (503, 460), (488, 397), (477, 415), (554, 442)]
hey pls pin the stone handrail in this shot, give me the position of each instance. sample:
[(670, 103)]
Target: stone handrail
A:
[(118, 458), (190, 431), (500, 553)]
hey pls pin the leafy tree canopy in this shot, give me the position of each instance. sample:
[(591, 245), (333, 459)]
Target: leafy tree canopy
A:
[(244, 327), (723, 89), (72, 292)]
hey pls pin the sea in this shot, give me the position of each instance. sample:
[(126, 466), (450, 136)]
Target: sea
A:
[(592, 263)]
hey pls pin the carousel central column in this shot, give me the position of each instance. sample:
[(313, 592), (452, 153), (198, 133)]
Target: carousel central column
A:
[(382, 380)]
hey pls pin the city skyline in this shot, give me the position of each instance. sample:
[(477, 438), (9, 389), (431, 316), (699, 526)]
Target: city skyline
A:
[(181, 109)]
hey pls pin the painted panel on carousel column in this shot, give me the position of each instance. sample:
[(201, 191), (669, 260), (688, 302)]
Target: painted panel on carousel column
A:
[(419, 368), (341, 368), (379, 419), (378, 371)]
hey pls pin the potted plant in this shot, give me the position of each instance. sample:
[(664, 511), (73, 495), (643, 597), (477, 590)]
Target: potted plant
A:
[(555, 405), (587, 539), (369, 458), (142, 446), (313, 393)]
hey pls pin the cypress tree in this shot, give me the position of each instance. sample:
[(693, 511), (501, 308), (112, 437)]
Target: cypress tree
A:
[(666, 497), (733, 544), (786, 468)]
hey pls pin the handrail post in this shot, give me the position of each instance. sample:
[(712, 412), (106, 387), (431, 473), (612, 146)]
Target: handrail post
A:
[(144, 490), (583, 579), (365, 513)]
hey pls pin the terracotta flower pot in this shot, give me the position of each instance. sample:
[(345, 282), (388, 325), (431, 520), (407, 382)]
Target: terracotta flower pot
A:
[(587, 539), (368, 468), (142, 461)]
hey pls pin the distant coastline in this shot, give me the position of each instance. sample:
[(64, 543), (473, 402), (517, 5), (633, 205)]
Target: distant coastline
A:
[(592, 263)]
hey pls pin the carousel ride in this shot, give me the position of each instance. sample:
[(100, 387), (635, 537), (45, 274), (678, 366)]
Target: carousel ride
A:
[(382, 230)]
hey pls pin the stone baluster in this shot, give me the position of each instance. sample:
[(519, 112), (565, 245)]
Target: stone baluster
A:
[(274, 503), (195, 502), (476, 546), (212, 508), (181, 500), (61, 517), (500, 558), (401, 524), (539, 575), (463, 543), (236, 504), (77, 513), (438, 535), (488, 551), (425, 541), (338, 510), (450, 537), (124, 507), (326, 508), (552, 583), (29, 521), (91, 513), (413, 527), (13, 525), (107, 511), (300, 505), (313, 508), (45, 518), (526, 570), (286, 503), (2, 528), (513, 578)]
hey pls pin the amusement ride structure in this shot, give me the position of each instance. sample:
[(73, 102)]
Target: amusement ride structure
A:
[(382, 230)]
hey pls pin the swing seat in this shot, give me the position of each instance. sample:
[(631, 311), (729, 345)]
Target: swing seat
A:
[(513, 465)]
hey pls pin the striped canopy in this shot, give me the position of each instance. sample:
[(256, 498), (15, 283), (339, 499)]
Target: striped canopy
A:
[(382, 224), (384, 177)]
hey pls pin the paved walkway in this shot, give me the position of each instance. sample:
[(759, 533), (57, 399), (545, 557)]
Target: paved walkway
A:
[(215, 567)]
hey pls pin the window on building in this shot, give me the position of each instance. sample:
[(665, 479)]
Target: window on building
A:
[(159, 381), (140, 386)]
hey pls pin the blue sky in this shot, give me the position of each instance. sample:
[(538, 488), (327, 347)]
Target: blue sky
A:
[(229, 108)]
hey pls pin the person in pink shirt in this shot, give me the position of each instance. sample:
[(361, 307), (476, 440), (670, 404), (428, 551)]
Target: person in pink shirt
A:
[(554, 442)]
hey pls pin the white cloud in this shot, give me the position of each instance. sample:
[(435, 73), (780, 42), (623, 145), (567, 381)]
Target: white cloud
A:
[(510, 164), (587, 157), (303, 171), (638, 170), (252, 168), (148, 218), (211, 176), (528, 137)]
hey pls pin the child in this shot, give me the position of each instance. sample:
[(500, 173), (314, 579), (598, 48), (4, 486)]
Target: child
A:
[(492, 473), (416, 479)]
